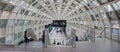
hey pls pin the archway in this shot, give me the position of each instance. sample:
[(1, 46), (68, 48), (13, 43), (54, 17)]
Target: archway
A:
[(29, 35)]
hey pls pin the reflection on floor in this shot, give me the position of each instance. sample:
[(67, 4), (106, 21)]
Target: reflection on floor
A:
[(33, 44), (101, 45)]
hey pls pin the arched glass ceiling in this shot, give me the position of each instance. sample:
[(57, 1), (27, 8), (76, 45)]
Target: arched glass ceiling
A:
[(68, 9)]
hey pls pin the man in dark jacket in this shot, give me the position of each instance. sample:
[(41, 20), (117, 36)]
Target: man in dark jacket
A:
[(25, 37)]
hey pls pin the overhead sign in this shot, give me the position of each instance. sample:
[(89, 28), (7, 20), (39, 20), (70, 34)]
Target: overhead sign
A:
[(59, 23)]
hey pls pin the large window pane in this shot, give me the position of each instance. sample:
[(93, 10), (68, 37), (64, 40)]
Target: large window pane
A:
[(3, 23), (2, 40), (115, 6), (115, 33), (117, 9), (4, 15), (12, 15), (114, 23), (21, 22), (9, 39), (10, 23), (1, 6), (95, 3), (110, 12), (8, 8), (16, 22), (118, 3), (103, 1), (108, 8), (107, 32), (104, 16)]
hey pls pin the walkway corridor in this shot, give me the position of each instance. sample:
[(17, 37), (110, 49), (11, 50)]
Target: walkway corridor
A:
[(101, 45)]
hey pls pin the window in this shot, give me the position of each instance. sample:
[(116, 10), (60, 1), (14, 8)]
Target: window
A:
[(110, 12), (39, 27), (104, 16), (114, 23), (26, 22), (30, 2), (103, 1), (33, 14), (12, 15), (1, 6), (22, 11), (27, 12), (93, 4), (117, 8), (16, 22), (2, 40), (85, 8), (115, 33), (108, 8), (29, 22), (15, 36), (3, 23), (92, 17), (11, 23), (107, 32), (118, 3), (36, 22), (8, 8), (5, 14), (35, 3), (35, 29), (21, 22)]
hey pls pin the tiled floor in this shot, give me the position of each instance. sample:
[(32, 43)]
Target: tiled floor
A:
[(101, 45)]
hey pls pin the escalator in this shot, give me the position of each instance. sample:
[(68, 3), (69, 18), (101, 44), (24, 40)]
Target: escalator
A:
[(57, 35)]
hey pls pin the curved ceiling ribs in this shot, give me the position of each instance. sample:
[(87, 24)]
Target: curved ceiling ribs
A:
[(78, 13)]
